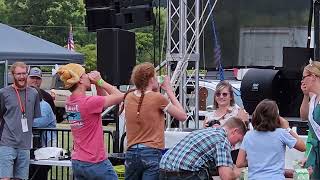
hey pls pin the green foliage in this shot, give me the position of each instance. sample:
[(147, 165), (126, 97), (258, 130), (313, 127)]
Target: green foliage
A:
[(48, 19), (3, 12), (90, 53), (144, 47), (145, 41)]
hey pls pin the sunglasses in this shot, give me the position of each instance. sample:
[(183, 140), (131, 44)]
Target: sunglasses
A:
[(223, 94)]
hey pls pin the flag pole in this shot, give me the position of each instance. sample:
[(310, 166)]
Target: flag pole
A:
[(216, 48)]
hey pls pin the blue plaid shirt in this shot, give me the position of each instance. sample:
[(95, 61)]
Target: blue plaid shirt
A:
[(205, 148)]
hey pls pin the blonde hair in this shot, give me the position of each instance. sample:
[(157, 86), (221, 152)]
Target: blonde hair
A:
[(140, 77), (235, 122), (18, 64), (313, 67)]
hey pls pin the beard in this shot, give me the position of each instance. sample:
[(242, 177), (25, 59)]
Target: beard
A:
[(20, 83)]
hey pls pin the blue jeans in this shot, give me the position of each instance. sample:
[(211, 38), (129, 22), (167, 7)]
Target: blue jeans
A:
[(184, 175), (97, 171), (142, 163)]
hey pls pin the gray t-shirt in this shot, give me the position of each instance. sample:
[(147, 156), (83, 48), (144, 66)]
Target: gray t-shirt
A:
[(266, 153), (11, 133)]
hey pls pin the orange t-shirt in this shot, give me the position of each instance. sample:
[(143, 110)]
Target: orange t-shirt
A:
[(149, 129)]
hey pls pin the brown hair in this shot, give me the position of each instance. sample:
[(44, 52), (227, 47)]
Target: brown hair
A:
[(266, 116), (18, 64), (124, 97), (221, 85), (140, 77), (235, 122), (313, 67)]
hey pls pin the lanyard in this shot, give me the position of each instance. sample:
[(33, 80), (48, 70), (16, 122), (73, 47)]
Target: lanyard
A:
[(20, 103)]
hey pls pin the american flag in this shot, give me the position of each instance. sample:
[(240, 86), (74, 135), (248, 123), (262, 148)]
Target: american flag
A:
[(70, 43), (216, 48)]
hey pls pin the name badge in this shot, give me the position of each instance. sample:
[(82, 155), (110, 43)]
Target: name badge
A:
[(24, 123)]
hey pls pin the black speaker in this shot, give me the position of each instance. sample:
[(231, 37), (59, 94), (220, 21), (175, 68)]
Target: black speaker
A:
[(292, 96), (97, 3), (135, 16), (259, 84), (116, 55), (295, 58), (282, 86), (126, 3), (99, 18)]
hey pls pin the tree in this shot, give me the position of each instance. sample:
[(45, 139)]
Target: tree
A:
[(90, 53), (147, 38), (48, 19)]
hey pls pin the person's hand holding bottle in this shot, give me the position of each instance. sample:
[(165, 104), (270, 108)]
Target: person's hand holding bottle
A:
[(166, 84)]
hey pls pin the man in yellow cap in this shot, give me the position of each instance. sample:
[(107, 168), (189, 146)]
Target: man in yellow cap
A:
[(89, 157)]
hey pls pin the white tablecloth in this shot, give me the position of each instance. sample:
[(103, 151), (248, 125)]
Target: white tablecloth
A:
[(173, 137), (66, 163)]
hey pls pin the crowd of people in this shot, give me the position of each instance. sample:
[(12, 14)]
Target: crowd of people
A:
[(227, 142)]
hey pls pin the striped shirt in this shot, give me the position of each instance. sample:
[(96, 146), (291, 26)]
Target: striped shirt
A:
[(206, 148)]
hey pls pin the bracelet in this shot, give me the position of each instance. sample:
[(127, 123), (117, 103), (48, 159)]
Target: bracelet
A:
[(100, 82)]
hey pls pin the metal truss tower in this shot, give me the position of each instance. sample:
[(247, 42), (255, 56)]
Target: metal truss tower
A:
[(185, 25)]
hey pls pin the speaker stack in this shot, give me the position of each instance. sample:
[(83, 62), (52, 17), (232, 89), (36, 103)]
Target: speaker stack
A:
[(124, 14), (116, 52), (281, 85), (116, 55)]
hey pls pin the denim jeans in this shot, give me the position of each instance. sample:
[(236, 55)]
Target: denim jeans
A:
[(199, 175), (142, 163), (14, 163), (98, 171)]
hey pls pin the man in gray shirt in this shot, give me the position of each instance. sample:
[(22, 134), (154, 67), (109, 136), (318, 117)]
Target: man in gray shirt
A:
[(19, 105)]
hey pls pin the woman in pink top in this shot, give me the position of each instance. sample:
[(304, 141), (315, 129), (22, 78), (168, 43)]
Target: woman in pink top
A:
[(89, 157), (144, 112)]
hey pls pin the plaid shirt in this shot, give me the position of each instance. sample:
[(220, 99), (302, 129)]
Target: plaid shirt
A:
[(205, 148)]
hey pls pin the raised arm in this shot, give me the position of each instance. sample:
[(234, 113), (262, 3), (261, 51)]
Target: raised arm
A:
[(304, 107), (176, 110), (300, 145), (114, 95)]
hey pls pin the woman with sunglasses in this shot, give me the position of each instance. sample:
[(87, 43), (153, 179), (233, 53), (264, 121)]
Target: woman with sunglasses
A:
[(224, 107), (310, 110)]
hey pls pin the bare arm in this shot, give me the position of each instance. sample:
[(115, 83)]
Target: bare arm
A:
[(228, 173), (176, 110), (304, 107), (101, 91), (300, 145), (242, 159), (114, 97)]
